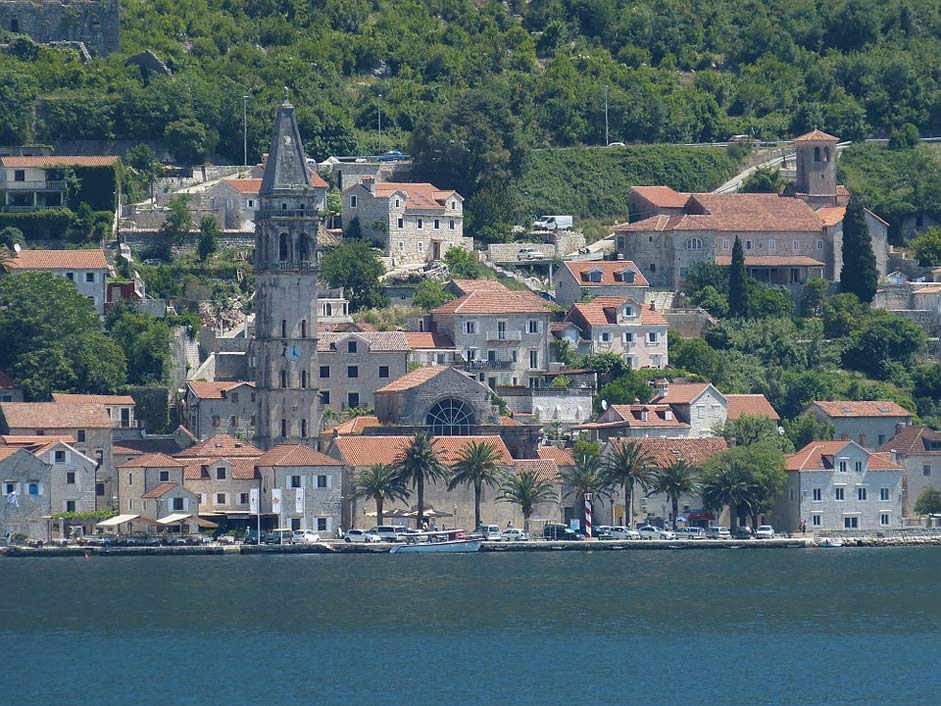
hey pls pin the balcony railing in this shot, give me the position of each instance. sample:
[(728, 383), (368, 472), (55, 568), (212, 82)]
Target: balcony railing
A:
[(509, 336), (302, 265), (36, 185), (489, 365), (286, 213)]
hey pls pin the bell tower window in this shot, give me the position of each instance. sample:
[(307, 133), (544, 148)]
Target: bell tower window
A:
[(303, 428), (284, 428), (303, 328), (303, 379), (284, 248), (284, 328), (284, 379)]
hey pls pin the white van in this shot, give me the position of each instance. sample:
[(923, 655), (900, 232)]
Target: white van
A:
[(390, 533), (553, 223), (490, 533)]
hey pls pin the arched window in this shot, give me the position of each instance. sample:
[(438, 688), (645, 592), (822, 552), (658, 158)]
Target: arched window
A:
[(694, 244), (284, 428), (816, 154), (327, 309), (284, 206), (284, 328), (304, 379), (303, 249), (284, 248), (450, 418), (284, 378), (303, 428), (303, 328), (826, 154)]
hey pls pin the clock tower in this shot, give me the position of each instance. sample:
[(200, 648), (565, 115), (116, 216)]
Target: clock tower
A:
[(286, 293)]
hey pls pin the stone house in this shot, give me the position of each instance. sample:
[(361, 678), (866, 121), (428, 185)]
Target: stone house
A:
[(72, 477), (88, 426), (624, 326), (310, 485), (576, 281), (427, 348), (139, 476), (869, 423), (233, 203), (839, 485), (87, 269), (40, 182), (700, 405), (502, 334), (409, 222), (221, 472), (26, 505), (120, 409), (647, 201), (353, 365), (211, 408), (918, 450), (9, 390), (172, 506)]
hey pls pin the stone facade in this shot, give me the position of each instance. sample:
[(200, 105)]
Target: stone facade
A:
[(577, 280), (311, 489), (72, 478), (210, 408), (863, 422), (141, 475), (551, 405), (626, 327), (93, 22), (352, 366), (87, 269), (26, 501), (432, 396)]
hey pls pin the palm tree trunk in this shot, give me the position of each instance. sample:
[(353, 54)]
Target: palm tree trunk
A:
[(676, 507), (628, 504), (421, 502), (526, 521), (733, 516), (477, 492), (379, 516)]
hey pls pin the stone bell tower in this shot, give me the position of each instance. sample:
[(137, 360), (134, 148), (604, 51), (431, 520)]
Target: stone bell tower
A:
[(816, 168), (286, 292)]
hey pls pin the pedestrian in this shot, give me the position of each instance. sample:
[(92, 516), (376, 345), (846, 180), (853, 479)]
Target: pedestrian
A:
[(803, 527), (509, 523)]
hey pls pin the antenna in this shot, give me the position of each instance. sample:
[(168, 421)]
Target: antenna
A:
[(604, 405)]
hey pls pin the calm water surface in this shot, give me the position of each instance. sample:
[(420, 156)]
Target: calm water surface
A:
[(847, 626)]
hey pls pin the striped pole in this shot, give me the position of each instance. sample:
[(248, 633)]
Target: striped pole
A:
[(588, 515)]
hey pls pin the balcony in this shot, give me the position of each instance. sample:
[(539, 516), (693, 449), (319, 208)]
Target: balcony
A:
[(490, 365), (504, 336), (286, 213), (36, 185)]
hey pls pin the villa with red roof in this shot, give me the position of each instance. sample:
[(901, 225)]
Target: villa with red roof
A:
[(410, 222), (869, 423), (577, 280), (787, 239), (38, 182), (622, 325), (88, 269)]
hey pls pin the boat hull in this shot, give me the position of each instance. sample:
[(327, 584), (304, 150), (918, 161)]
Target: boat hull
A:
[(457, 546)]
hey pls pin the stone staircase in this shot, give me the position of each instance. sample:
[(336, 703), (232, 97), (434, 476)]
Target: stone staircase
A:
[(662, 299)]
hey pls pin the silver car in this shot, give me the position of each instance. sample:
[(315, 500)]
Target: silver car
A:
[(650, 532), (361, 535), (514, 534), (617, 532)]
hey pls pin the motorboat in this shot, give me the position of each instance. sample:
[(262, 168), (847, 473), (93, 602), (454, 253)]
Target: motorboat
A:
[(447, 541), (830, 542)]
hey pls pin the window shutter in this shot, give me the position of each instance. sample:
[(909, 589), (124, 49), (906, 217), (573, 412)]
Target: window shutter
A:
[(186, 504)]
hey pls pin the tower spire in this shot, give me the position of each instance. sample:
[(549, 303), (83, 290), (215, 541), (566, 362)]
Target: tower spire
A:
[(286, 168)]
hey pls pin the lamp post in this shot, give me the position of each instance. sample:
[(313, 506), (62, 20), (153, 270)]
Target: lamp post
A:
[(245, 130), (606, 142), (379, 109)]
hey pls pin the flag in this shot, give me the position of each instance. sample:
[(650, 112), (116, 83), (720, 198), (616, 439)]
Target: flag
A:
[(276, 501), (253, 501), (299, 500), (12, 500)]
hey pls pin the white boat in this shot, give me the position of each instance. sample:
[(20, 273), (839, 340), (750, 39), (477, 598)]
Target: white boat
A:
[(829, 542), (456, 545)]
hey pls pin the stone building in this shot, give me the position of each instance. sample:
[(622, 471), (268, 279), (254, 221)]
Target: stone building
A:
[(87, 269), (918, 450), (233, 203), (353, 365), (210, 408), (72, 477), (410, 222), (869, 423), (221, 472), (632, 330), (839, 485), (39, 182), (285, 345), (310, 485), (95, 23), (120, 409), (26, 507), (576, 281)]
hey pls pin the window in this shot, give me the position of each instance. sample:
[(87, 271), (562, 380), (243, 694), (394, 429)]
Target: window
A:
[(303, 328), (243, 498), (233, 421), (838, 493), (9, 488), (470, 327), (421, 246), (220, 498), (70, 506), (437, 224), (451, 224), (99, 489), (861, 494), (19, 174), (850, 523), (303, 428), (164, 476), (352, 399), (235, 397), (397, 203), (295, 481), (884, 519), (628, 337), (70, 276), (816, 520), (130, 479), (303, 379), (220, 473), (726, 244), (772, 245), (694, 244), (533, 326), (842, 466), (352, 371), (284, 428), (177, 504), (325, 397), (321, 481), (926, 470), (324, 371), (795, 245), (130, 504), (881, 439), (819, 245), (90, 277), (748, 245), (70, 478), (35, 488), (652, 267), (605, 337), (351, 346), (450, 417), (321, 524), (284, 379), (883, 493), (383, 371), (420, 223), (534, 359), (817, 494), (401, 224), (352, 202), (80, 436), (249, 203), (651, 337), (60, 456), (216, 421)]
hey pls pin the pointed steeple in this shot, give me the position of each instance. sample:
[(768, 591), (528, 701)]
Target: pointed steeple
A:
[(286, 167)]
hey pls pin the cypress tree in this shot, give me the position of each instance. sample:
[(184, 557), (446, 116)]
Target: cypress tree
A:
[(859, 275), (739, 306)]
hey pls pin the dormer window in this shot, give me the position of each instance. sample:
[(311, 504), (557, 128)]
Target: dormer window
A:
[(594, 275), (625, 275), (628, 311)]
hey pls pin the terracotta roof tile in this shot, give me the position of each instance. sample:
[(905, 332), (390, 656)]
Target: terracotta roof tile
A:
[(244, 186), (665, 451), (377, 340), (602, 311), (580, 271), (7, 451), (661, 196), (544, 469), (58, 260), (420, 196), (509, 422), (30, 440), (220, 445), (816, 135), (470, 285), (819, 456), (491, 301), (562, 457), (772, 261), (125, 451), (152, 461), (415, 378), (52, 415), (367, 450), (161, 489), (419, 340), (867, 408), (755, 212), (831, 215), (355, 425), (754, 405), (295, 455), (914, 440), (62, 160), (107, 400), (212, 390), (681, 393)]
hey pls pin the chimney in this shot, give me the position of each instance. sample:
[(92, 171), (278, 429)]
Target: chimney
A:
[(620, 256), (644, 415), (668, 414), (653, 306), (370, 184), (893, 456), (663, 387)]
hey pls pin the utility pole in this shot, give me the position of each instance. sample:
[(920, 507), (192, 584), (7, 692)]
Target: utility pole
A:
[(606, 140), (245, 130), (379, 107)]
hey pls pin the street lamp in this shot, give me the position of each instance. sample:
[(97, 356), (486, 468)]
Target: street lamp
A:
[(245, 130), (379, 109), (606, 142)]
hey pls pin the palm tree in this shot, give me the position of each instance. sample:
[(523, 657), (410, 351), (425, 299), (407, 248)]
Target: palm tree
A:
[(679, 478), (527, 490), (380, 482), (418, 462), (586, 476), (627, 465), (727, 483), (478, 465)]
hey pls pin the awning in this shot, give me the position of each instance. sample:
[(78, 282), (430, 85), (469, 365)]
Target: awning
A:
[(174, 518), (117, 520)]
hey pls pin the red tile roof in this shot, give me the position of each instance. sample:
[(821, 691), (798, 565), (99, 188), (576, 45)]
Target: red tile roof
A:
[(831, 215), (754, 405), (151, 461), (367, 450), (107, 400), (210, 390), (377, 340), (62, 160), (633, 414), (580, 270), (562, 457), (295, 455), (914, 440), (544, 469), (665, 451), (470, 285), (420, 340), (772, 261), (58, 260), (7, 451), (356, 425), (819, 456), (198, 468), (509, 422), (681, 393), (493, 301), (161, 489), (30, 440), (125, 451), (418, 195), (417, 377), (220, 445), (245, 186), (816, 135), (661, 196), (602, 311), (52, 415), (868, 408)]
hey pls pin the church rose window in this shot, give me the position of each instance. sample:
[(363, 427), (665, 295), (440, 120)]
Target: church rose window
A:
[(450, 418)]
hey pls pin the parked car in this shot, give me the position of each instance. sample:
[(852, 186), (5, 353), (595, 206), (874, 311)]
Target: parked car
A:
[(390, 533), (651, 532), (615, 144), (741, 533), (251, 537), (553, 223), (280, 536), (489, 533), (530, 253), (557, 531), (99, 540), (620, 532), (601, 532), (764, 532), (361, 535), (391, 156), (514, 534), (690, 533), (718, 533), (305, 536)]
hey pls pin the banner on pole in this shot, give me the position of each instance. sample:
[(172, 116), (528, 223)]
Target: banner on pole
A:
[(253, 501)]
